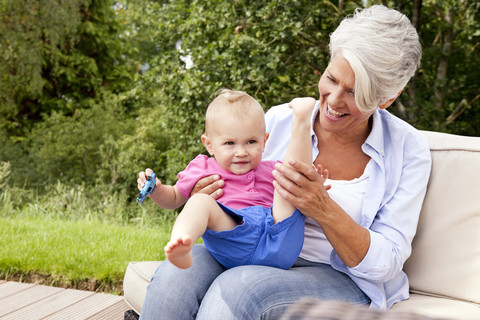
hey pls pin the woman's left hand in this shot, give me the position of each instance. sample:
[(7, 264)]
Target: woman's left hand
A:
[(303, 186)]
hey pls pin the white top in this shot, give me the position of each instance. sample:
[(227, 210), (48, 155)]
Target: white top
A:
[(348, 194)]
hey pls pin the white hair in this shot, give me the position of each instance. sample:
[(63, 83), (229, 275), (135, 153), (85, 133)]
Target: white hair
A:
[(383, 50)]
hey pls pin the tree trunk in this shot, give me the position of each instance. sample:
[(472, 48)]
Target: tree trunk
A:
[(417, 8), (441, 79)]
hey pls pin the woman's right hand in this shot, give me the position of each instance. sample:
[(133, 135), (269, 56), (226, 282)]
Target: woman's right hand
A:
[(211, 185)]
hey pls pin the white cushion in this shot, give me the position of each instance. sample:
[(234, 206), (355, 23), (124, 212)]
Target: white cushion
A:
[(446, 249), (438, 307), (137, 278)]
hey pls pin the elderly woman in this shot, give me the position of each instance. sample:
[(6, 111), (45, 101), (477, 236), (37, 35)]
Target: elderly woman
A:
[(358, 234)]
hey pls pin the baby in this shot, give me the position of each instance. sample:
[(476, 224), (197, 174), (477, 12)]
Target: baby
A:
[(242, 227)]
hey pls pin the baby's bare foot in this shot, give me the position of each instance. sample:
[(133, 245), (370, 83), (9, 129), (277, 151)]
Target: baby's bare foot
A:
[(179, 252), (302, 107)]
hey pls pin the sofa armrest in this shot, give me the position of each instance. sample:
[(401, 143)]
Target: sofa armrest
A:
[(445, 258), (136, 280)]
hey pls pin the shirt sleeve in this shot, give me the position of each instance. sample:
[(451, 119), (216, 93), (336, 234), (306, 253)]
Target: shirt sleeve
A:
[(395, 224), (278, 120), (188, 178)]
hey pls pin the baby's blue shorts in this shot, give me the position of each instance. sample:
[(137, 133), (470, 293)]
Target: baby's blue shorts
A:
[(257, 240)]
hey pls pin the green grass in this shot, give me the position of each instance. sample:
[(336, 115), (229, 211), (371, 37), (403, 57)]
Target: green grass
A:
[(76, 245), (74, 251)]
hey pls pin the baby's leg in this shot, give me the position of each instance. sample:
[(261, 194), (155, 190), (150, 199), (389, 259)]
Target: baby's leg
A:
[(299, 148), (200, 212)]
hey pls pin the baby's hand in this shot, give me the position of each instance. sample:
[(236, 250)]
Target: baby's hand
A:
[(323, 176), (142, 178), (146, 189)]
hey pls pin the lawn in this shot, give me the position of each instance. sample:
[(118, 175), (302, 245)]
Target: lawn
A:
[(86, 253)]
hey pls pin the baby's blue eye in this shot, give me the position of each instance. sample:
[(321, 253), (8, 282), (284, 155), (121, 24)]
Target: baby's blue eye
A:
[(252, 141)]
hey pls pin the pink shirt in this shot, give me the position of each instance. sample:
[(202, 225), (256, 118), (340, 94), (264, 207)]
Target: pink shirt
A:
[(253, 188)]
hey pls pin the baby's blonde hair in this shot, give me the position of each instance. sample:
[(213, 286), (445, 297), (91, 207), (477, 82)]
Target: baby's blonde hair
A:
[(229, 103)]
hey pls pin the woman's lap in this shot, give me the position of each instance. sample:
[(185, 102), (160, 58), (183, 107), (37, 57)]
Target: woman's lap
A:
[(247, 292)]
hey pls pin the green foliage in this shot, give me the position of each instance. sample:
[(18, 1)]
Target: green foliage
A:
[(56, 55), (273, 50), (444, 96), (92, 92), (75, 148), (4, 174)]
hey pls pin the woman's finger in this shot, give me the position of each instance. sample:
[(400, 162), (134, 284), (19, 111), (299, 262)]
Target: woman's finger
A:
[(304, 169), (284, 180), (210, 185), (292, 174)]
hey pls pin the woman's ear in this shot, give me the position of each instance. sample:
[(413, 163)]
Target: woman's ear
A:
[(389, 102), (208, 144)]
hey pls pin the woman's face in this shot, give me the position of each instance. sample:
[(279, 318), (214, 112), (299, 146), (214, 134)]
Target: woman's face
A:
[(339, 113)]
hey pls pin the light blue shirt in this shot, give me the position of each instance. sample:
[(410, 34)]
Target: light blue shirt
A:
[(398, 180)]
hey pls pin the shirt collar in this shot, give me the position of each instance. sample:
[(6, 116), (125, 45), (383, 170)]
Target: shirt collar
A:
[(375, 139), (315, 111)]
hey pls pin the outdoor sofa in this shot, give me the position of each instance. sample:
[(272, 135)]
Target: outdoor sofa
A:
[(444, 268)]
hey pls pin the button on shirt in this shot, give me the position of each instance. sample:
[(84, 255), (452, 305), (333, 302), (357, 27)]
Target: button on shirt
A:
[(398, 177)]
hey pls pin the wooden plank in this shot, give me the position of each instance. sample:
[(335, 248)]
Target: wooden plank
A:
[(86, 308), (34, 302), (114, 312), (25, 297), (10, 287), (49, 305)]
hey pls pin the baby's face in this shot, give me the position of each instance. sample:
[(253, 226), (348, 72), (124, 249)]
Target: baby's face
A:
[(237, 145)]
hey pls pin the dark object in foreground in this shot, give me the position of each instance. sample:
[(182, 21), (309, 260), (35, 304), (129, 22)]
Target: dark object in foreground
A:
[(131, 315)]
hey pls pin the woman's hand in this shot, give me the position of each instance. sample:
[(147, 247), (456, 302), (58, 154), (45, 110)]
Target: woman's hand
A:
[(303, 186), (210, 185)]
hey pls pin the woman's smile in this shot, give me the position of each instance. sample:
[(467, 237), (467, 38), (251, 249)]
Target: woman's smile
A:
[(332, 114)]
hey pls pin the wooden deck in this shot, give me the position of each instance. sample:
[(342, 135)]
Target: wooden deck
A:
[(31, 301)]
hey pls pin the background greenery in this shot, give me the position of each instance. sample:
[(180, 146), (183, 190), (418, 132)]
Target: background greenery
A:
[(94, 91)]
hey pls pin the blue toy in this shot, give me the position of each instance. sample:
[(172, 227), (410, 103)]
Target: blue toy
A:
[(147, 188)]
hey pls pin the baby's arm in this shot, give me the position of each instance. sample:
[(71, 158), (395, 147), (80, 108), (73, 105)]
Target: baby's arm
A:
[(164, 196)]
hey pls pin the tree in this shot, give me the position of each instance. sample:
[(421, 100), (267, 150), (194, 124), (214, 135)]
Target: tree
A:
[(275, 50), (56, 55), (150, 68), (444, 96)]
